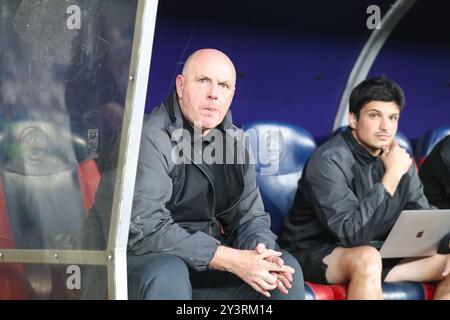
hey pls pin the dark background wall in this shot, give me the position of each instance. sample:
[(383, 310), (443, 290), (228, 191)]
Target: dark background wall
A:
[(293, 58)]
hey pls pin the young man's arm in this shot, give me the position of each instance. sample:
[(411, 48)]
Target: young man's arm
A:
[(396, 162), (416, 198), (354, 221)]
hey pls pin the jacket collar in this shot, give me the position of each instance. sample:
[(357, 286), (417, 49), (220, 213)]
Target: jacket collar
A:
[(356, 147)]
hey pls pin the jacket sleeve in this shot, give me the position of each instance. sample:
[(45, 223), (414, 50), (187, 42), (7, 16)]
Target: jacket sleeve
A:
[(252, 223), (152, 228), (445, 157), (416, 197), (352, 221)]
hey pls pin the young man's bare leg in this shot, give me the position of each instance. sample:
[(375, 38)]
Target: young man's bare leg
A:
[(443, 290), (424, 270), (360, 267)]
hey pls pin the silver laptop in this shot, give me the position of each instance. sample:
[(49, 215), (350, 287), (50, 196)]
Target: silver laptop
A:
[(416, 233)]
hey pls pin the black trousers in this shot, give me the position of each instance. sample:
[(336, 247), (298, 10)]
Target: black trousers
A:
[(162, 276)]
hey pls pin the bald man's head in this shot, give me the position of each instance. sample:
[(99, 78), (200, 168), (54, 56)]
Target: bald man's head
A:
[(206, 88), (201, 55)]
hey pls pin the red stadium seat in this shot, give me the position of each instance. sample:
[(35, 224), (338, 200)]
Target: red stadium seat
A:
[(12, 275), (314, 291), (89, 178)]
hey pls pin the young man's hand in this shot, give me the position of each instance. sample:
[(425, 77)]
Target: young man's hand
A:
[(396, 162), (396, 159), (446, 270)]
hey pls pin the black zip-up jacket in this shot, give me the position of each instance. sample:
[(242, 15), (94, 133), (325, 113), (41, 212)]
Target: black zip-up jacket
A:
[(174, 203), (435, 175), (341, 200)]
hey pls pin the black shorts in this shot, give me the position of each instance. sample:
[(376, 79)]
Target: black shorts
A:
[(311, 262)]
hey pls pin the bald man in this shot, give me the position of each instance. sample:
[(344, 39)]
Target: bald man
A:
[(198, 227)]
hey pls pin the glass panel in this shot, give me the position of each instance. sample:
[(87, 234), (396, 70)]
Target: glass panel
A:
[(20, 281), (63, 80)]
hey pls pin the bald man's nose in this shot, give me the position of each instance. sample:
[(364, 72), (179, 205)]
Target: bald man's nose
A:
[(213, 92)]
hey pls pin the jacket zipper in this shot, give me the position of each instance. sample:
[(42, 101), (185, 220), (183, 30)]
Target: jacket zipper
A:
[(211, 224)]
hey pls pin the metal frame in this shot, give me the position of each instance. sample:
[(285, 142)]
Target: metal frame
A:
[(84, 257), (368, 55), (114, 257), (129, 146)]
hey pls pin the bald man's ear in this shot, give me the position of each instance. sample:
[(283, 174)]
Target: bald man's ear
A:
[(352, 120), (179, 83)]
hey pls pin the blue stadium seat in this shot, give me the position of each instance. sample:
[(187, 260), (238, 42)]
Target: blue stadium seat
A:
[(403, 291), (404, 142), (281, 151), (428, 141)]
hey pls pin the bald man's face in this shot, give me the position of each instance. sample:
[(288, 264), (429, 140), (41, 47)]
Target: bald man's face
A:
[(206, 89)]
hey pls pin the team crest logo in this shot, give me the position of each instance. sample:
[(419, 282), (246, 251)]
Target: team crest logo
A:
[(33, 143)]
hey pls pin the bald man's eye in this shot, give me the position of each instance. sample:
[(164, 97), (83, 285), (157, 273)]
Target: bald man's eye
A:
[(203, 82), (224, 85)]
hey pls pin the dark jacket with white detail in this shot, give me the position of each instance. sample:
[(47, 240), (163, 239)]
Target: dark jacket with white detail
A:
[(174, 209), (341, 200)]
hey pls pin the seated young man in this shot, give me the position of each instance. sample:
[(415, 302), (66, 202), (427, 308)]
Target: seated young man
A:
[(351, 193), (435, 175)]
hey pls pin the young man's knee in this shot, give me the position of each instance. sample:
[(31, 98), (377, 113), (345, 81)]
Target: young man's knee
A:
[(366, 262)]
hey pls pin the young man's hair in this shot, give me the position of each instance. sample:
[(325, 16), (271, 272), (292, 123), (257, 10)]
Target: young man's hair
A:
[(375, 89)]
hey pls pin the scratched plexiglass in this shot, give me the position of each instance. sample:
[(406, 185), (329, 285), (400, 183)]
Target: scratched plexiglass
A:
[(63, 78)]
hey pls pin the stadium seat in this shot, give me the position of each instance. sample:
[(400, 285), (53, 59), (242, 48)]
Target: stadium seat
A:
[(428, 141), (13, 285), (281, 151), (394, 291), (404, 142), (314, 291), (44, 192)]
